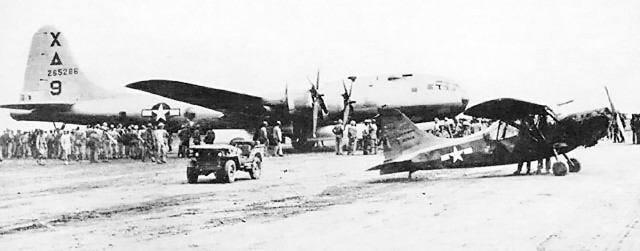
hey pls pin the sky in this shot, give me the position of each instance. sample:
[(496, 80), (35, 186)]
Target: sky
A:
[(539, 50)]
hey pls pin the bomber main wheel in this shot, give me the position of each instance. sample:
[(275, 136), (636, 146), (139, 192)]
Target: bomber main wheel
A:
[(559, 169), (192, 176), (256, 169), (230, 171), (574, 165)]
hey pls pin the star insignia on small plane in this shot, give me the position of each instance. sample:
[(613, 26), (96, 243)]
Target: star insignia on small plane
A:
[(160, 112), (456, 154)]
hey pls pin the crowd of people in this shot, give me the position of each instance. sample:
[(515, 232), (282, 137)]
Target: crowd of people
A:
[(367, 137), (96, 143)]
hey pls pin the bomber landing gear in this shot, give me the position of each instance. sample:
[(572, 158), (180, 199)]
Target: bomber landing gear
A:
[(302, 145)]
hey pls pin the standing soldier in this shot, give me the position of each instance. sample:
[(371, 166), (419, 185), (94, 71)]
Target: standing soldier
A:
[(366, 137), (17, 145), (161, 140), (338, 130), (277, 138), (3, 143), (10, 143), (183, 135), (26, 138), (149, 144), (113, 136), (122, 151), (262, 135), (374, 136), (196, 135), (65, 146), (210, 137), (79, 144), (93, 143), (352, 135), (41, 145)]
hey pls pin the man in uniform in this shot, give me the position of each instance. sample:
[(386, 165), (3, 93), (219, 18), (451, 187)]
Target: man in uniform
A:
[(352, 135), (65, 146), (149, 146), (93, 144), (184, 135), (277, 138), (366, 137), (209, 137), (79, 143), (262, 135), (338, 131), (161, 141), (374, 136)]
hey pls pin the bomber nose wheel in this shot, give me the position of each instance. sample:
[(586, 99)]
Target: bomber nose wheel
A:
[(574, 165), (559, 169)]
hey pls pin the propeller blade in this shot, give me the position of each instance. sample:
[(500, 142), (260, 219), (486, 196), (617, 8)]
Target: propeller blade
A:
[(323, 105), (613, 108), (315, 118), (345, 114), (344, 86), (318, 80)]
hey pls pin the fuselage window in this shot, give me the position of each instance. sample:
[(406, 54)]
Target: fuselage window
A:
[(414, 89)]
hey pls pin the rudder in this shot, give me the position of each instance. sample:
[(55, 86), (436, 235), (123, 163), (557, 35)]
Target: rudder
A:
[(52, 76), (401, 135)]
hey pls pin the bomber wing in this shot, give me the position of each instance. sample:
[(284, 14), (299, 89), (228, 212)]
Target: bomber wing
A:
[(213, 98), (506, 109)]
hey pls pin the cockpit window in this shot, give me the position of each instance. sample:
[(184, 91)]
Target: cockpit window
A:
[(504, 131)]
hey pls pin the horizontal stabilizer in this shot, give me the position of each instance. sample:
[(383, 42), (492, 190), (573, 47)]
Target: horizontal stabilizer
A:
[(39, 106), (208, 97)]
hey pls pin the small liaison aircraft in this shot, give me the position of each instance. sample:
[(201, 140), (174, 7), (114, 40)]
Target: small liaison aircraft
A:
[(55, 89), (522, 131)]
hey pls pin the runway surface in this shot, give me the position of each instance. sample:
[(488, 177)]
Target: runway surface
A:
[(320, 201)]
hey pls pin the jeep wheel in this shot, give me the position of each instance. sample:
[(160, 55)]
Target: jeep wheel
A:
[(256, 169), (230, 171), (192, 176)]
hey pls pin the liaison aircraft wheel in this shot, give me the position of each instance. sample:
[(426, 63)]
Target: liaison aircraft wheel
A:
[(559, 169), (230, 171), (574, 165), (256, 169)]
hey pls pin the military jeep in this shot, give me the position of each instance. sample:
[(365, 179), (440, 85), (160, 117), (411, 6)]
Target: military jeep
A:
[(223, 160)]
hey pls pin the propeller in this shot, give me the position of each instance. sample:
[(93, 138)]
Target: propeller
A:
[(317, 103), (616, 116), (347, 102)]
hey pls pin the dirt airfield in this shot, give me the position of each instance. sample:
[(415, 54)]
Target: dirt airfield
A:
[(320, 201)]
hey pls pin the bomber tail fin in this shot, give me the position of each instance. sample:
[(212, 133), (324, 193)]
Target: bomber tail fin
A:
[(52, 76), (401, 135)]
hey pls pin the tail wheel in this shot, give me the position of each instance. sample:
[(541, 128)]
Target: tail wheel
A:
[(574, 165), (256, 169), (559, 169), (230, 171)]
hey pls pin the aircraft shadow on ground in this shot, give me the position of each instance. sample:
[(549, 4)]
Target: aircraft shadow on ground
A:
[(489, 175)]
